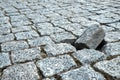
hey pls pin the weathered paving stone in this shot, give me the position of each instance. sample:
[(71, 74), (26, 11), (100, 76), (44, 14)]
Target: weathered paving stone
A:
[(54, 65), (107, 28), (5, 38), (4, 60), (82, 73), (26, 35), (112, 49), (25, 55), (4, 20), (14, 45), (56, 49), (49, 78), (112, 36), (47, 29), (91, 38), (111, 67), (4, 30), (115, 25), (18, 18), (63, 37), (21, 28), (87, 56), (75, 28), (60, 22), (40, 41), (26, 71)]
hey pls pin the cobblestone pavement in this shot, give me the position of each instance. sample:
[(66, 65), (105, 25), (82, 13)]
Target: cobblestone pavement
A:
[(37, 40)]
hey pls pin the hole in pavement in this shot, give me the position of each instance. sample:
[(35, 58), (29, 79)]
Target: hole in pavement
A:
[(100, 46), (82, 46)]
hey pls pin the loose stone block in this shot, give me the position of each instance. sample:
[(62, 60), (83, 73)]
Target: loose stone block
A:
[(26, 55), (54, 65), (4, 60), (112, 49), (26, 35), (14, 45), (63, 37), (5, 38), (26, 71), (56, 49), (40, 41), (91, 38), (87, 56), (82, 73), (111, 67)]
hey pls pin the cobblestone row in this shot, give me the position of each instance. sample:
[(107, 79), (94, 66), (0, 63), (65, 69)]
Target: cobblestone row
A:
[(59, 40)]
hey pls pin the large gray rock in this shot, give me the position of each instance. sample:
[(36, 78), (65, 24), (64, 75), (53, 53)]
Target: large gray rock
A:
[(111, 67), (91, 38), (4, 60), (82, 73), (25, 55), (14, 45), (87, 56), (54, 65), (112, 49), (26, 71), (61, 48)]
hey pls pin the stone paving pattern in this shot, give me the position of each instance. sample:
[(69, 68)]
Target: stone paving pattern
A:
[(37, 40)]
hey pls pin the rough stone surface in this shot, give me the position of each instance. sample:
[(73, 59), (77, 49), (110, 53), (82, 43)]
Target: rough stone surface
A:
[(5, 38), (4, 60), (91, 38), (54, 26), (87, 56), (82, 73), (112, 49), (40, 41), (54, 65), (21, 28), (14, 45), (63, 37), (48, 29), (56, 49), (112, 36), (111, 67), (49, 79), (26, 71), (4, 30), (26, 55), (26, 35), (75, 28)]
